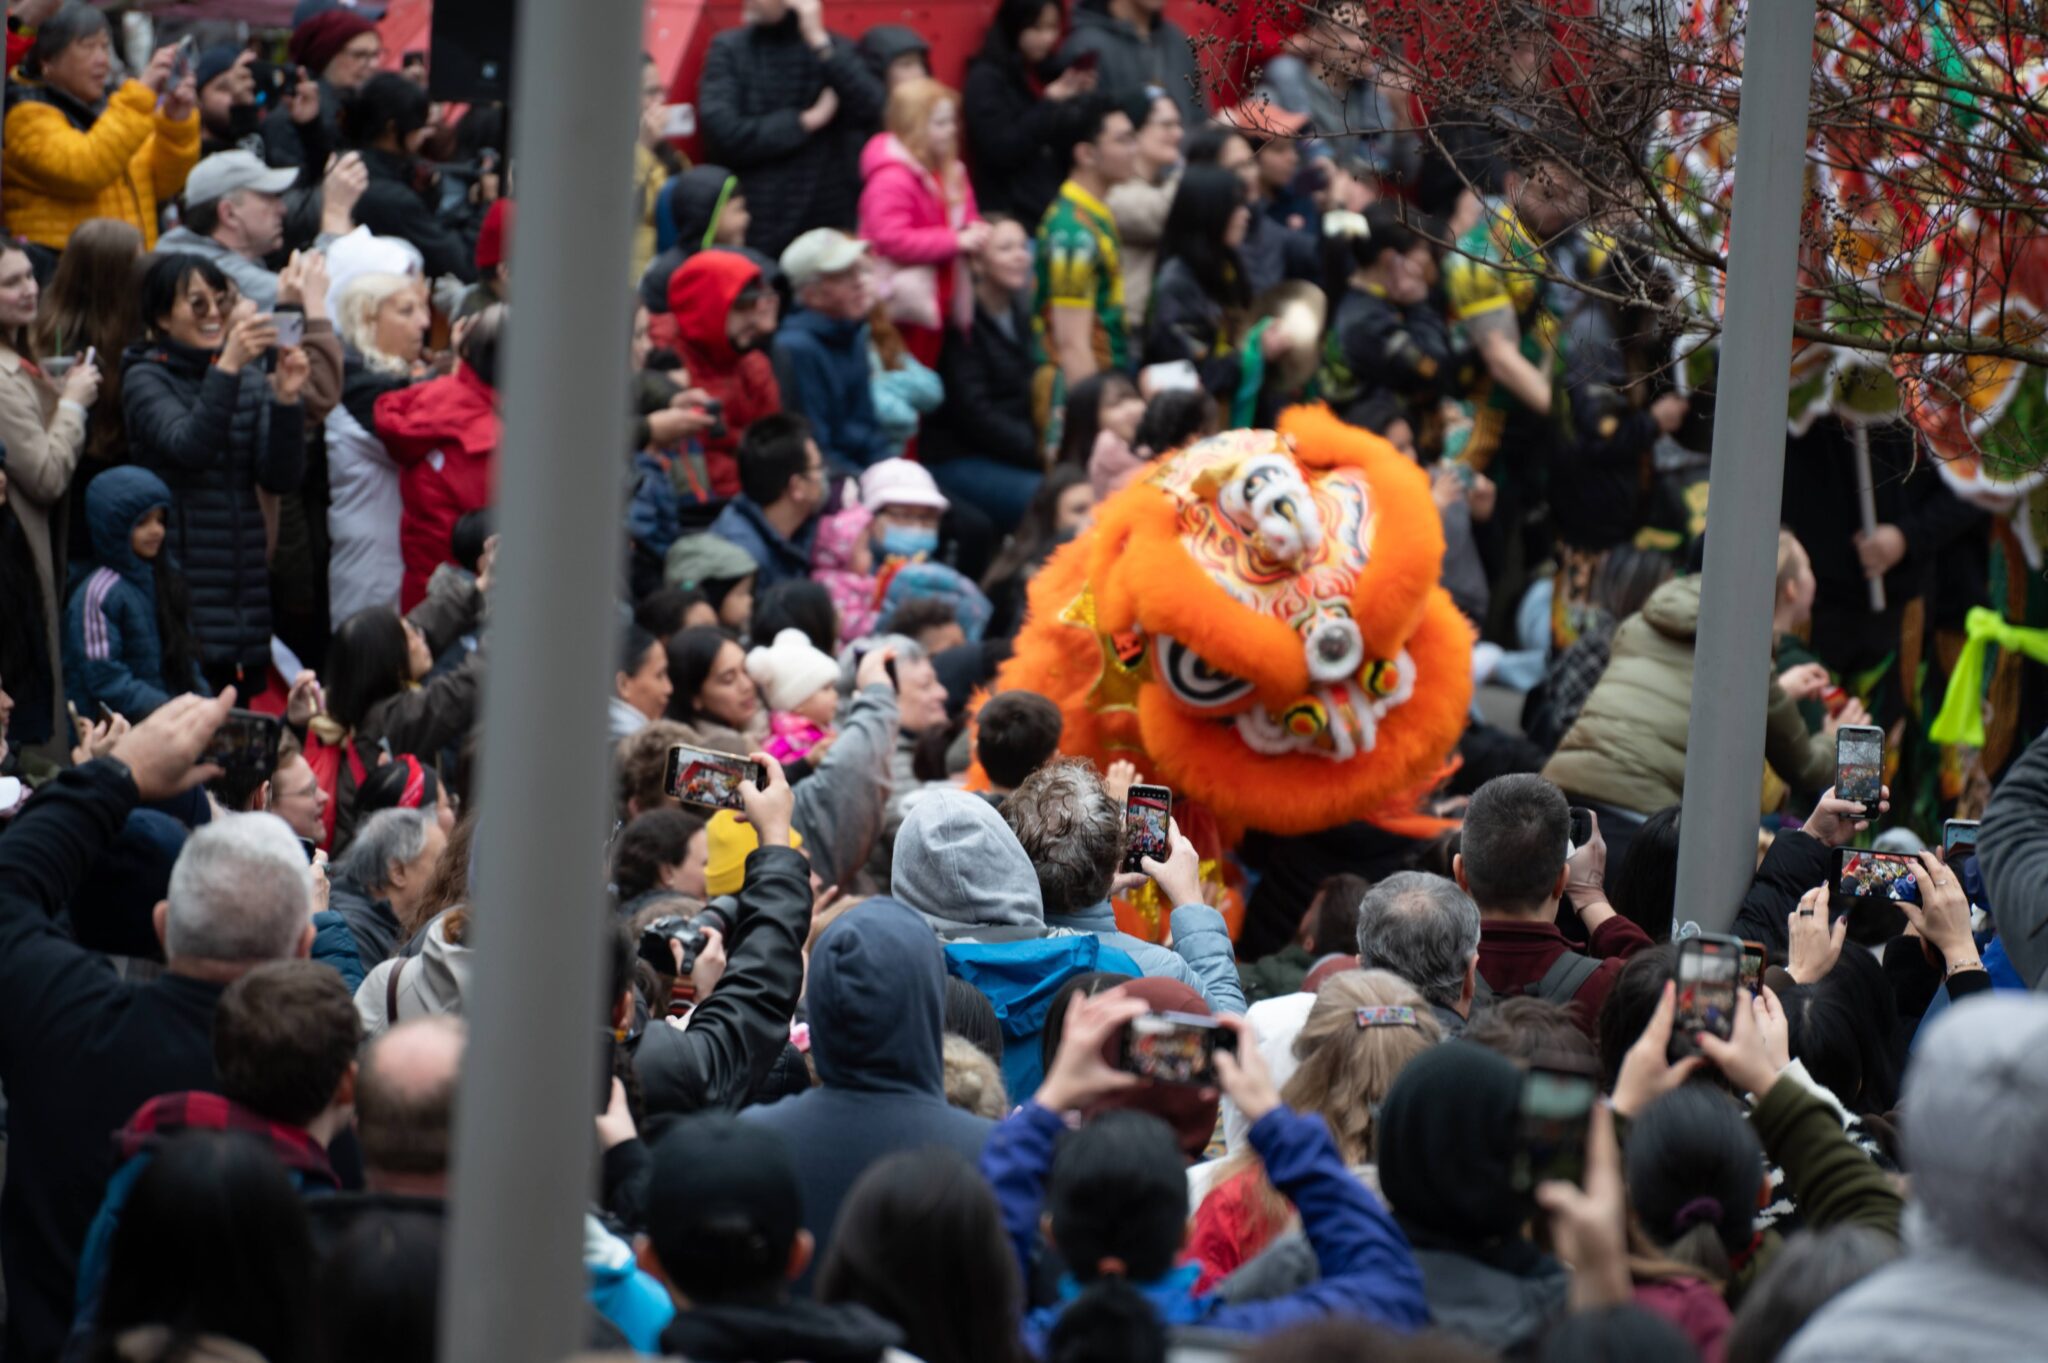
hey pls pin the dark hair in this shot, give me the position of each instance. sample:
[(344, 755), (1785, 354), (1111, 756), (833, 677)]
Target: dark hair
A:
[(650, 844), (384, 788), (484, 339), (771, 453), (971, 1016), (918, 614), (1813, 1268), (1080, 120), (912, 1220), (466, 541), (1173, 418), (1016, 733), (1515, 833), (1617, 1334), (1204, 146), (380, 1288), (691, 655), (91, 300), (1845, 1028), (174, 626), (801, 605), (163, 284), (634, 645), (1083, 416), (1529, 1030), (386, 102), (1111, 1322), (369, 660), (1694, 1169), (74, 20), (1203, 205), (1092, 983), (662, 611), (1646, 881), (213, 1240), (1119, 1190), (1630, 1003), (283, 1036), (1336, 903), (999, 39), (1627, 577)]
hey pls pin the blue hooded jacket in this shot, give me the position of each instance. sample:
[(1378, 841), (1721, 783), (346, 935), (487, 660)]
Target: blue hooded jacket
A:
[(111, 649), (822, 365), (877, 1007)]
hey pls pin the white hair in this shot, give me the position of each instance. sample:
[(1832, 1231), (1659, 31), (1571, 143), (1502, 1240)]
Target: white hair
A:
[(389, 835), (241, 891), (355, 315)]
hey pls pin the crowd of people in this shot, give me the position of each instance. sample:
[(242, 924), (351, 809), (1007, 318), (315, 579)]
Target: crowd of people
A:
[(869, 974)]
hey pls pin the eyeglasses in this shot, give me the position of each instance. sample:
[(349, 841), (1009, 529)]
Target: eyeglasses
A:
[(207, 304)]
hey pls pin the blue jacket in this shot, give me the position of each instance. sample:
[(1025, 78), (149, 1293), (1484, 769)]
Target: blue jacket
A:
[(1202, 957), (111, 649), (334, 944), (904, 396), (822, 366), (1368, 1270), (876, 1000), (654, 515), (781, 559), (1022, 979)]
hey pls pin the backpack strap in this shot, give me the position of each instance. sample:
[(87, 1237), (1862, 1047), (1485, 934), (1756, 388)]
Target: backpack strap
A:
[(391, 993), (1560, 984)]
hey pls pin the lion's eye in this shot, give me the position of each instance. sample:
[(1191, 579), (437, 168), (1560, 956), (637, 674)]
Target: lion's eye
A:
[(1194, 681)]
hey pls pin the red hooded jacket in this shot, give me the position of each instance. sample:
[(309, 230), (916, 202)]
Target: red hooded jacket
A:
[(700, 297), (443, 434)]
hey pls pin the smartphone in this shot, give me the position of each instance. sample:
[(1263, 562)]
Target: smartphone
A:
[(245, 745), (291, 327), (1148, 812), (1959, 849), (1709, 969), (710, 780), (106, 711), (1173, 1048), (92, 354), (1756, 959), (715, 409), (1883, 876), (187, 47), (1556, 1108), (1859, 765), (678, 120), (1582, 830), (311, 849)]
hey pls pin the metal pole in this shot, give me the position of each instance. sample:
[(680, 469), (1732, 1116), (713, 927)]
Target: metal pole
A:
[(1866, 500), (1731, 657), (513, 1274)]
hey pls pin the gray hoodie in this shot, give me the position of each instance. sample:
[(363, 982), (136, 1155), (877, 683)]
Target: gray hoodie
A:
[(959, 865), (1128, 62), (430, 983)]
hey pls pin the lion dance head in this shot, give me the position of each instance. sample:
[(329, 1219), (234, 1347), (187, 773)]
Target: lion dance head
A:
[(1257, 623)]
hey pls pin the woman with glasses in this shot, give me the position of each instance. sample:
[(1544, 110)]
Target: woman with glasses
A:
[(1140, 203), (204, 414)]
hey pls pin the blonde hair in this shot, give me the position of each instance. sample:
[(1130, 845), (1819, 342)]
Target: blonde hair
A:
[(973, 1082), (1790, 552), (908, 115), (355, 316)]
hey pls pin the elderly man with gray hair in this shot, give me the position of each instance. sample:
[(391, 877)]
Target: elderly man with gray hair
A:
[(80, 1047), (381, 878), (1426, 930)]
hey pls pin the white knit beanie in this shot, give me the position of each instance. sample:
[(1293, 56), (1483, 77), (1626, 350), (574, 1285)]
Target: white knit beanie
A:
[(791, 670)]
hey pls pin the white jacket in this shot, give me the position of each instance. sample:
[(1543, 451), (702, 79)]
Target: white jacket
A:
[(365, 567)]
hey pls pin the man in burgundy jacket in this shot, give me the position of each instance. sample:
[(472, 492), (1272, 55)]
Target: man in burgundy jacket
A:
[(1512, 862)]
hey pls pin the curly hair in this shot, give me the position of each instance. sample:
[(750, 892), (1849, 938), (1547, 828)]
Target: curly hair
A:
[(1072, 831)]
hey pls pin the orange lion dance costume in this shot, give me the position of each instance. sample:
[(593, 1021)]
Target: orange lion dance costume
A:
[(1258, 624)]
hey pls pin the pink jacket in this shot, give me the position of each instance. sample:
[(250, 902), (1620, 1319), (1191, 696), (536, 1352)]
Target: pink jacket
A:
[(906, 216)]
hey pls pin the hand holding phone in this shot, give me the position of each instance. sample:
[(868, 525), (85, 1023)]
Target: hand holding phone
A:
[(1148, 819), (245, 746), (1709, 971), (1173, 1048), (1556, 1106), (290, 325)]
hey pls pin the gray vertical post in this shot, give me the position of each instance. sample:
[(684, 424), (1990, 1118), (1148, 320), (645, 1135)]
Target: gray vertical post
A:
[(1731, 659), (513, 1277)]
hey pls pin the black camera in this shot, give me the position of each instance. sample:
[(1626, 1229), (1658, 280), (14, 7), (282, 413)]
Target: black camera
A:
[(656, 936)]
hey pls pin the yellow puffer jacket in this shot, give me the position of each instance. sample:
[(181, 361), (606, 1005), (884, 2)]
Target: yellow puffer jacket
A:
[(54, 177)]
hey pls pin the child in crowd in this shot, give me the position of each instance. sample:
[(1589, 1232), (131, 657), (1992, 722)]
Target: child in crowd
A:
[(1176, 417), (1109, 401), (801, 686), (127, 630), (843, 562)]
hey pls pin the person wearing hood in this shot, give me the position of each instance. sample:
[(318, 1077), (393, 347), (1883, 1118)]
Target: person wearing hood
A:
[(897, 55), (725, 313), (876, 1001), (702, 209), (782, 101), (75, 152), (1447, 1149), (727, 1235), (917, 212), (821, 353), (201, 411), (114, 652), (1136, 45)]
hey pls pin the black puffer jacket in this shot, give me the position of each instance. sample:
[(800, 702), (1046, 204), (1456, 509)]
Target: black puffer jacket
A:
[(988, 394), (758, 79), (215, 438), (1010, 132), (394, 205)]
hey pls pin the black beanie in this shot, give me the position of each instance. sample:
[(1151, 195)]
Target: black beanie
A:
[(1447, 1144)]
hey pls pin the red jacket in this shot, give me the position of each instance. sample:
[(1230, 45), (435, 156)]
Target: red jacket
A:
[(443, 434), (700, 297), (1514, 955)]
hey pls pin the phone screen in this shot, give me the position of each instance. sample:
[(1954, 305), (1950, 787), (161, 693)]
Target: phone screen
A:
[(1173, 1048), (291, 328), (1860, 874), (1582, 828), (245, 745), (1147, 811), (710, 780), (1859, 764), (1756, 957), (1555, 1109), (1959, 851), (1709, 968)]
